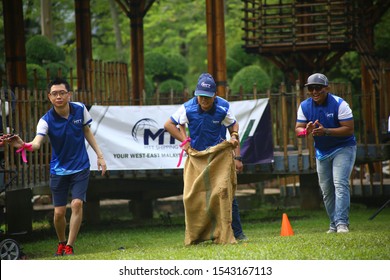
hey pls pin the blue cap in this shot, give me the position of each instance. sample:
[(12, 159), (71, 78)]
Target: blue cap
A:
[(206, 86), (317, 79)]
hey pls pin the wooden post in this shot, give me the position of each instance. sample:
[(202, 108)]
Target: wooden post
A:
[(83, 41), (137, 51), (284, 125), (216, 49), (15, 51)]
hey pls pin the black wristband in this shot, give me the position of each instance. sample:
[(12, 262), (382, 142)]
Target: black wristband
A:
[(238, 158)]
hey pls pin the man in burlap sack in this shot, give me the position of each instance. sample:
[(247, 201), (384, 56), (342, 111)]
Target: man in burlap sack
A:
[(210, 178)]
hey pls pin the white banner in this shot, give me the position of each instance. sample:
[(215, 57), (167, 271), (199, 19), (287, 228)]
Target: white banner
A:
[(133, 137)]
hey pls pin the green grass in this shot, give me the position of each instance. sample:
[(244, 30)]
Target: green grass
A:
[(119, 238)]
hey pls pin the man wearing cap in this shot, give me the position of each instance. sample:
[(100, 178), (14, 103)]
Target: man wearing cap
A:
[(208, 117), (329, 120)]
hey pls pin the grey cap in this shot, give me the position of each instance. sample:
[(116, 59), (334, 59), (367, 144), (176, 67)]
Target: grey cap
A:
[(317, 79)]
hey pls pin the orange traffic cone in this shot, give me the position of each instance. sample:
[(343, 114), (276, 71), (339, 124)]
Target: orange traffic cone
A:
[(286, 229)]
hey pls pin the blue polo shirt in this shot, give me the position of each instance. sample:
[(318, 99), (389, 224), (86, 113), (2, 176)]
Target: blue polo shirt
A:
[(204, 127), (329, 114), (69, 154)]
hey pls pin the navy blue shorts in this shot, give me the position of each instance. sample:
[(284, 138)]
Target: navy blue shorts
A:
[(76, 184)]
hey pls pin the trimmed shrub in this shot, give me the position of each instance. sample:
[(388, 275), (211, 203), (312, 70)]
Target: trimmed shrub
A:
[(39, 49), (237, 53), (232, 67), (54, 68), (168, 85), (156, 66), (177, 66), (247, 77), (149, 87), (41, 76)]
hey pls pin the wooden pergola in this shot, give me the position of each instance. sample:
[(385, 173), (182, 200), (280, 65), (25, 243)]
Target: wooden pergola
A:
[(135, 10), (305, 37)]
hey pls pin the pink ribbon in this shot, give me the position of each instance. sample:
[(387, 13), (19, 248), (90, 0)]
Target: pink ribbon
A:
[(182, 151), (23, 149), (302, 133)]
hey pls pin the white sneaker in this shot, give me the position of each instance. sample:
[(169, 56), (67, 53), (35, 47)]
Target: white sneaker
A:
[(342, 229)]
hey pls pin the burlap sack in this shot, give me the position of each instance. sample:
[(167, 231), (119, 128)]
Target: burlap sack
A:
[(210, 181)]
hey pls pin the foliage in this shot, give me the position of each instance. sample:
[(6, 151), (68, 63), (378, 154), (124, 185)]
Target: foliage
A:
[(36, 74), (178, 26), (40, 50), (156, 66), (174, 85), (57, 69), (149, 87), (249, 76), (161, 67), (238, 58), (232, 67), (177, 66), (382, 37), (104, 20), (346, 70), (238, 53)]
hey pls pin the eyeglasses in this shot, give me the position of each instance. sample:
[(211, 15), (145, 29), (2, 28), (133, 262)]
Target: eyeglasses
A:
[(311, 88), (60, 93)]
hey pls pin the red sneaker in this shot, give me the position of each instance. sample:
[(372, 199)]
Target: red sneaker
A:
[(68, 250), (60, 249)]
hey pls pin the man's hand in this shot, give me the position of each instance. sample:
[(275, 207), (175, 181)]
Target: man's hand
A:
[(319, 129), (12, 139), (101, 163), (239, 165), (234, 141)]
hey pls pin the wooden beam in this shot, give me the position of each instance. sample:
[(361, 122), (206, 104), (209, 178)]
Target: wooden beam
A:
[(135, 10), (15, 50), (83, 42), (216, 49), (137, 51)]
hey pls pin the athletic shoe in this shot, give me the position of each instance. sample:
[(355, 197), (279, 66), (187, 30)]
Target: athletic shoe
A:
[(60, 249), (68, 250), (342, 229), (332, 230), (242, 237)]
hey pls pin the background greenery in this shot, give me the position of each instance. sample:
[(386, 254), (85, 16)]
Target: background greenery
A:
[(174, 31)]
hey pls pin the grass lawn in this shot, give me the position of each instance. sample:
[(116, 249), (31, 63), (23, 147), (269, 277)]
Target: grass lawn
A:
[(118, 237)]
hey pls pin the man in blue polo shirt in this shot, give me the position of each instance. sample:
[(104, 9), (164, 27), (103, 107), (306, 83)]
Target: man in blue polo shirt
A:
[(328, 118), (208, 117), (67, 126)]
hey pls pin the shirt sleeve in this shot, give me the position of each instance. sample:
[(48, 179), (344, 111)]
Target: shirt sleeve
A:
[(345, 112), (180, 116), (229, 119), (42, 127), (87, 116), (300, 116)]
